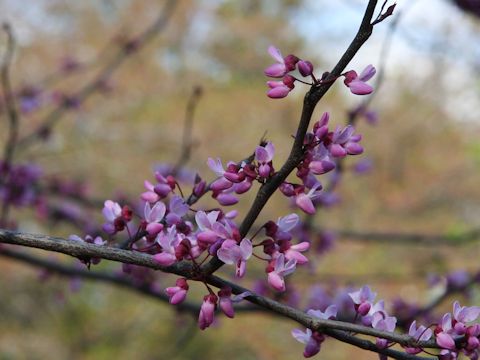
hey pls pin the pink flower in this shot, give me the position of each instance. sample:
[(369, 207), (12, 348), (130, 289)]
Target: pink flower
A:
[(232, 253), (225, 301), (305, 67), (465, 314), (278, 89), (363, 299), (330, 313), (168, 242), (264, 156), (207, 311), (177, 209), (178, 293), (345, 142), (116, 216), (357, 83), (420, 334), (311, 340), (321, 162), (279, 271), (153, 216), (294, 252), (278, 69), (304, 201)]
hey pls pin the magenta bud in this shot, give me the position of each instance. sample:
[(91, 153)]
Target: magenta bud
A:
[(226, 199), (242, 187), (290, 62), (162, 190), (234, 177), (289, 81), (221, 184), (305, 67), (200, 188), (287, 189), (363, 308)]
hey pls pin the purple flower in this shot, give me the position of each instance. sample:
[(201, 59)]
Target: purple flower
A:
[(321, 162), (153, 216), (345, 142), (278, 89), (168, 242), (225, 301), (311, 340), (232, 253), (420, 334), (279, 69), (330, 313), (357, 83), (304, 201), (207, 311), (279, 270), (177, 209), (264, 156), (305, 67), (363, 299), (178, 293), (464, 314), (384, 323)]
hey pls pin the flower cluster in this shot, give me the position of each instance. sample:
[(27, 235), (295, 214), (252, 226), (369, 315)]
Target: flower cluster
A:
[(373, 315), (171, 231), (284, 67), (314, 339), (454, 335), (322, 148)]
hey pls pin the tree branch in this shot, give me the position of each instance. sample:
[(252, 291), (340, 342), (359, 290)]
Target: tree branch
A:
[(85, 250), (311, 99)]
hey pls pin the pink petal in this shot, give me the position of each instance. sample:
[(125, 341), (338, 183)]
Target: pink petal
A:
[(445, 341), (165, 259), (358, 87), (276, 281), (305, 203), (275, 53), (276, 70), (367, 73)]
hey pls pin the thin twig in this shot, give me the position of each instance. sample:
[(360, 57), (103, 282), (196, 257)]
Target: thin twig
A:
[(104, 74), (187, 142)]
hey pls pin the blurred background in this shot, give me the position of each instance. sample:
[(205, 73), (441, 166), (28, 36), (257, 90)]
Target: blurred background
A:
[(419, 173)]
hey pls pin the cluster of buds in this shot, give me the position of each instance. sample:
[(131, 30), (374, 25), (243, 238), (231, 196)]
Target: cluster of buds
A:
[(284, 67), (455, 336), (322, 148)]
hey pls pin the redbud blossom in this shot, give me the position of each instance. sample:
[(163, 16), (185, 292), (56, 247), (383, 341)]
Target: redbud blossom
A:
[(225, 301), (264, 156), (277, 90), (305, 67), (153, 216), (279, 69), (207, 311), (178, 293), (357, 83), (232, 253), (420, 334), (363, 299), (279, 271), (168, 242), (304, 201)]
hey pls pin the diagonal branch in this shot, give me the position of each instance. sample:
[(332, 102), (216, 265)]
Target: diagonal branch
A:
[(313, 96)]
